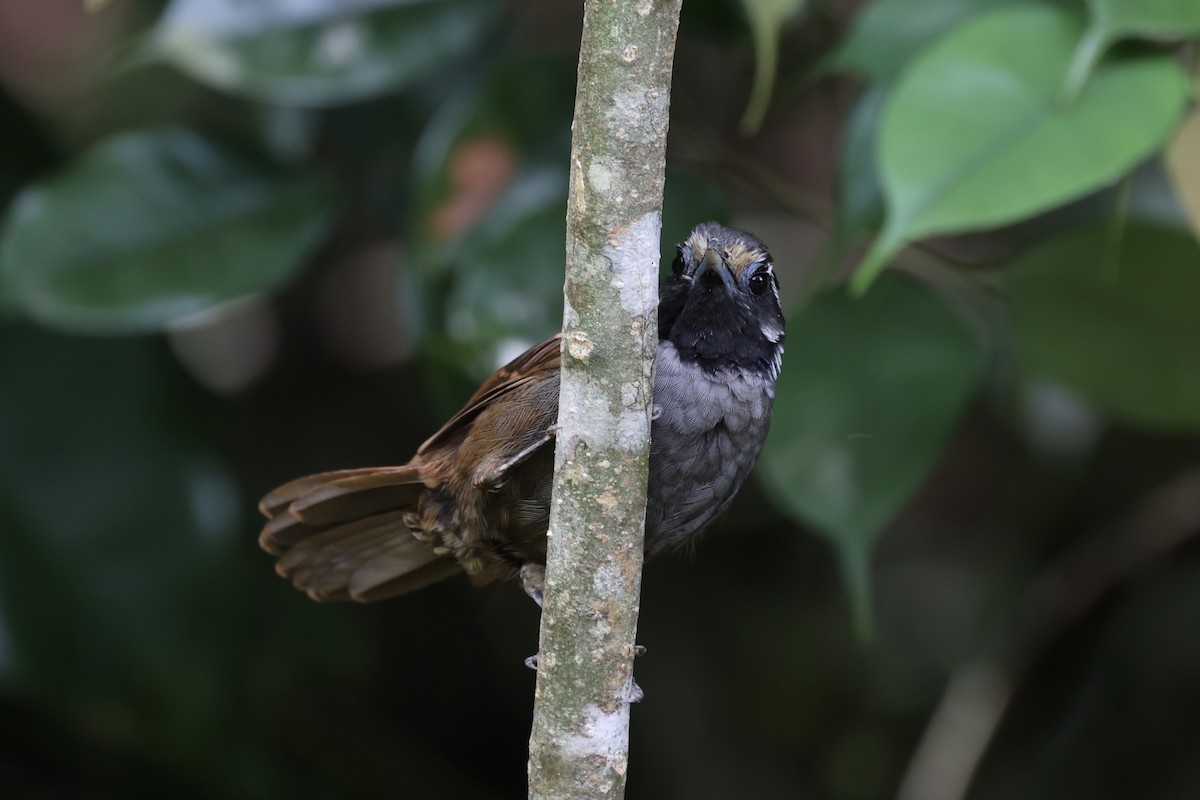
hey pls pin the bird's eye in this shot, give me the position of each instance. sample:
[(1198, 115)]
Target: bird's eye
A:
[(677, 264), (759, 282)]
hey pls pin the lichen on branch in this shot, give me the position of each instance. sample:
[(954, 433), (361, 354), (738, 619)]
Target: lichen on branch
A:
[(579, 746)]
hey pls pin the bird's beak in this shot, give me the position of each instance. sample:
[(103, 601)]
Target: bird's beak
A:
[(715, 265)]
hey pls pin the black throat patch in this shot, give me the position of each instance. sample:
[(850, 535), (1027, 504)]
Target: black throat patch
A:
[(709, 327)]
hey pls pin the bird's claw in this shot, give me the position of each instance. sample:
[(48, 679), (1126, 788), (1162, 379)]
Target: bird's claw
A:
[(533, 581), (632, 694)]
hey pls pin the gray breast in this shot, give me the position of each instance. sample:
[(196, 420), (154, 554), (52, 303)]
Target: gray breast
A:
[(703, 444)]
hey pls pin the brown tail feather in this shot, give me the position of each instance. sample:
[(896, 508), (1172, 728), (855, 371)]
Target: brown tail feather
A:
[(283, 496), (282, 532), (358, 495), (341, 535), (417, 579), (333, 547), (357, 559)]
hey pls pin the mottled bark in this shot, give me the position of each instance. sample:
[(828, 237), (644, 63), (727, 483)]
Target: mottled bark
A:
[(580, 741)]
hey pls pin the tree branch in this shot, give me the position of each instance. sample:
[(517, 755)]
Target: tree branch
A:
[(580, 738)]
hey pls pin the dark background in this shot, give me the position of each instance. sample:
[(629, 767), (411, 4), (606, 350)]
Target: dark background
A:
[(1035, 596)]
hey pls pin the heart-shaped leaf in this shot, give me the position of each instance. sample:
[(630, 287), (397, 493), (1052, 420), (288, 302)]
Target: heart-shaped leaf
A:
[(149, 227), (978, 133), (871, 389)]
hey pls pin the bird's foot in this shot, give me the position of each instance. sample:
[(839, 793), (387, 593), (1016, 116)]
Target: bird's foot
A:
[(632, 694)]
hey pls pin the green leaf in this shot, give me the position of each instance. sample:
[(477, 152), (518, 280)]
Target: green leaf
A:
[(886, 34), (767, 17), (1128, 344), (319, 53), (977, 132), (870, 391), (149, 227)]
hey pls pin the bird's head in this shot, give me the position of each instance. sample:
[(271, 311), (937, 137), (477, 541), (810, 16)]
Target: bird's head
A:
[(720, 305)]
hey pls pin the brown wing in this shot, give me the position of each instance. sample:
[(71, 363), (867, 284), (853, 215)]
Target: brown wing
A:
[(527, 369), (342, 535)]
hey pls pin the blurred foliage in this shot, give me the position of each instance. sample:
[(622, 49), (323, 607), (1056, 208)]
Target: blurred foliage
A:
[(955, 155), (185, 225), (851, 366), (1126, 341), (315, 54), (766, 19), (306, 228)]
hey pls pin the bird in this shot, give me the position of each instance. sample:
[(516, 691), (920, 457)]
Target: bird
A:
[(475, 497)]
